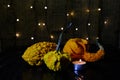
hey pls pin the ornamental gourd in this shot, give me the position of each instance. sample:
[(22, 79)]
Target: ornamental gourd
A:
[(54, 60), (76, 48), (34, 54)]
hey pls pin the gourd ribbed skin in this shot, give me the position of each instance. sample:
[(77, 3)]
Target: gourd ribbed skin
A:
[(92, 57), (33, 55), (76, 48), (53, 60), (95, 56)]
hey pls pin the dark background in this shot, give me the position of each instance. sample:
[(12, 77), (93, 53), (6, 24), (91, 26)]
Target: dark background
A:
[(25, 22), (59, 13)]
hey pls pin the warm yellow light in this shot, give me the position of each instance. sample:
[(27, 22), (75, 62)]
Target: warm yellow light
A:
[(51, 36), (39, 24), (31, 7), (105, 22), (99, 9), (87, 38), (62, 28), (76, 29), (45, 7), (43, 24), (87, 10), (89, 24), (32, 38), (17, 35), (97, 37), (8, 5), (72, 13), (68, 14), (17, 20)]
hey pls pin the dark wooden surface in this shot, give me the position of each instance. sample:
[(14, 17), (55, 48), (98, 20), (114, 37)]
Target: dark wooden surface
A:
[(13, 67)]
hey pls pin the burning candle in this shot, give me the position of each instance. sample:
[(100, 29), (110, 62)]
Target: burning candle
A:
[(78, 65)]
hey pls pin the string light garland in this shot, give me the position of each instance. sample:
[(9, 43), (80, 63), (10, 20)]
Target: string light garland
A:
[(71, 14)]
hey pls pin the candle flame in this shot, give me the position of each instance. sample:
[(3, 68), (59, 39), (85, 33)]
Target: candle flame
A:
[(80, 60)]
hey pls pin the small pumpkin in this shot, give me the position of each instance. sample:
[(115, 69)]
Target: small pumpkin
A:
[(76, 48), (95, 56)]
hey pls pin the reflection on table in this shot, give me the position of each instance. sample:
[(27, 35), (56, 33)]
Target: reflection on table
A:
[(16, 69)]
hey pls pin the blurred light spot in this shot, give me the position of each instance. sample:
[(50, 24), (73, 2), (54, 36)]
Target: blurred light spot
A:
[(51, 36), (43, 24), (68, 14), (32, 38), (17, 20), (99, 9), (17, 35), (87, 38), (8, 5), (45, 7), (89, 24), (62, 28), (39, 24), (87, 10), (31, 7), (76, 29), (97, 37), (72, 13), (105, 22)]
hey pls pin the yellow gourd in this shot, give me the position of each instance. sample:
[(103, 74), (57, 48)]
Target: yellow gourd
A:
[(34, 54)]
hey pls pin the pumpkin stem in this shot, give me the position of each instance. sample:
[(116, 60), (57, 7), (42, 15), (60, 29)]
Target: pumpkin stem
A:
[(100, 46), (60, 37)]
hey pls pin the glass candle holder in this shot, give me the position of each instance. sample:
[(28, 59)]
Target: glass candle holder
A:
[(78, 65)]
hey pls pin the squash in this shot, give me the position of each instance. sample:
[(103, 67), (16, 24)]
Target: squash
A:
[(34, 54), (95, 56), (76, 48), (56, 60)]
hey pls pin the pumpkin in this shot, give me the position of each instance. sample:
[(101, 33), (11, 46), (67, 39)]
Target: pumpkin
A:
[(95, 56), (76, 48)]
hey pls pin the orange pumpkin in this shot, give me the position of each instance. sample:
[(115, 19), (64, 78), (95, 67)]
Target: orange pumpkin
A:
[(92, 57), (76, 48)]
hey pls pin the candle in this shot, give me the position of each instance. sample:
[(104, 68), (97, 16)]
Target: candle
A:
[(78, 65)]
